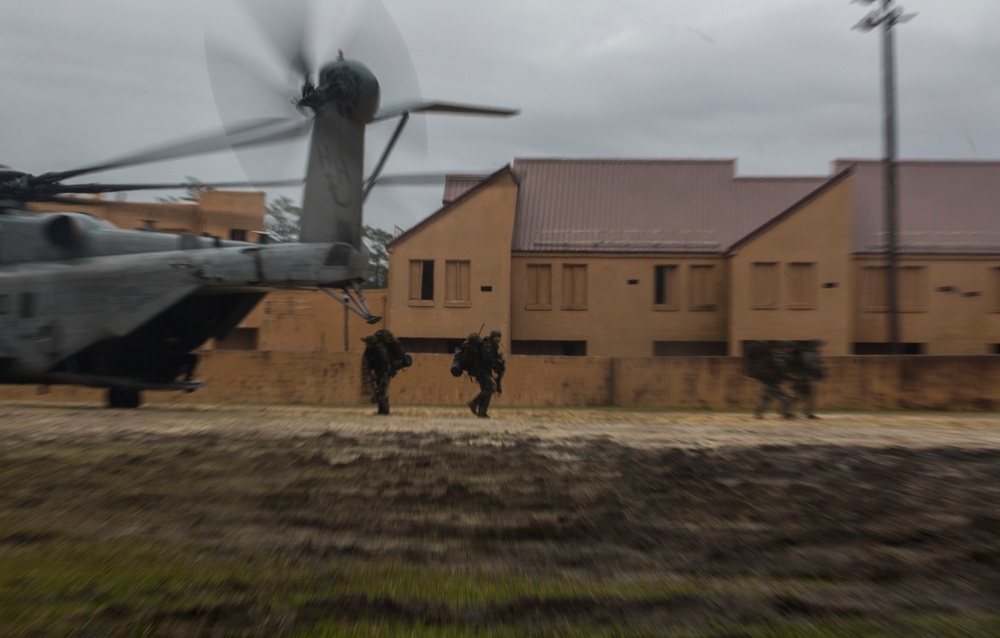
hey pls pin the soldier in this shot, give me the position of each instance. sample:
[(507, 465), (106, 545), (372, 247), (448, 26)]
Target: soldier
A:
[(375, 371), (489, 361), (804, 366), (383, 357), (767, 362)]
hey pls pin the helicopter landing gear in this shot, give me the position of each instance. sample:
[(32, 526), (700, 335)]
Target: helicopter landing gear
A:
[(121, 398)]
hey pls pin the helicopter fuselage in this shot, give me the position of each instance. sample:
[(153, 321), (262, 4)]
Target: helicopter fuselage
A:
[(85, 302)]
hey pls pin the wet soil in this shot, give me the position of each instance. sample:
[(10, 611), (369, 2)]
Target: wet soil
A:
[(878, 518)]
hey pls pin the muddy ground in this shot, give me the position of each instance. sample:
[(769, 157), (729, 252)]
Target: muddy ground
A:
[(717, 524)]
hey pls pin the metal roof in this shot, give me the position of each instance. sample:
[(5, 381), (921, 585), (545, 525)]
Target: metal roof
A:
[(657, 206), (945, 207), (641, 206)]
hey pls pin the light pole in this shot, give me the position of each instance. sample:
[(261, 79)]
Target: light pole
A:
[(887, 16)]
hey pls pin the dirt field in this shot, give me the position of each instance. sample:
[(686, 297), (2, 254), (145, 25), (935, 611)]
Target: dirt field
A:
[(222, 520)]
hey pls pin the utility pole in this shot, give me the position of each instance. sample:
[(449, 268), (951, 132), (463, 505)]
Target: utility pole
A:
[(887, 16)]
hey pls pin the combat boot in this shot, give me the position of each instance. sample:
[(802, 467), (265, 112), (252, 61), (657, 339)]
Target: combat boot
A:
[(383, 407), (484, 404), (474, 406)]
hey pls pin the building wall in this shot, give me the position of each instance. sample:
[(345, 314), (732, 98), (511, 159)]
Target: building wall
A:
[(621, 317), (304, 321), (955, 308), (476, 229), (819, 233), (317, 378)]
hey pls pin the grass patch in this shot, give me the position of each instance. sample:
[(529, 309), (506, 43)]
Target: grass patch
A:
[(53, 585)]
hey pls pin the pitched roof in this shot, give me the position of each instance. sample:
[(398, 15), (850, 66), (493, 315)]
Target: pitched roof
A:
[(475, 183), (634, 206), (640, 206), (944, 207)]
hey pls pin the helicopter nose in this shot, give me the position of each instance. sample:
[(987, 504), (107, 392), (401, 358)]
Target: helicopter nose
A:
[(352, 88)]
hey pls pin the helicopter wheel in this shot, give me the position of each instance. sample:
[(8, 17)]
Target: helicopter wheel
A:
[(120, 398)]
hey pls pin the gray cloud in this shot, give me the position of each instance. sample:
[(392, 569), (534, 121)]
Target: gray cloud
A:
[(783, 86)]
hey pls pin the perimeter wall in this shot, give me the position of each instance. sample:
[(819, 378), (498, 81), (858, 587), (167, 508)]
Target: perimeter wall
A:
[(959, 383)]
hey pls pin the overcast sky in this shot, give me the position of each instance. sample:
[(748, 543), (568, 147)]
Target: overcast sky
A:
[(785, 87)]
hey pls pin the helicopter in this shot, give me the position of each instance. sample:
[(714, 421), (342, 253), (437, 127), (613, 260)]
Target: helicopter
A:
[(83, 302)]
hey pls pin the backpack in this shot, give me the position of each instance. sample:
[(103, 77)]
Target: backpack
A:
[(470, 353), (758, 359), (375, 357), (394, 348), (387, 352), (811, 364)]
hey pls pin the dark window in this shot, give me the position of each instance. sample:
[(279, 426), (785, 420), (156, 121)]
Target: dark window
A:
[(238, 234), (884, 348), (27, 305), (550, 348), (422, 280), (239, 339), (427, 281), (665, 286), (690, 348), (3, 304), (430, 345)]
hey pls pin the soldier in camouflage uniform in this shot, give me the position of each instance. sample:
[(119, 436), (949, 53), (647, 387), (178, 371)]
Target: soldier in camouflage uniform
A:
[(376, 371), (804, 366), (489, 362), (772, 371)]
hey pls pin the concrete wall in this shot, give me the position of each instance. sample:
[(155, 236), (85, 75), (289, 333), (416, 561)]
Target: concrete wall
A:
[(961, 383)]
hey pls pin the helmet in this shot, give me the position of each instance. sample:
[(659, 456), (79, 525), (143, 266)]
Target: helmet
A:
[(495, 333)]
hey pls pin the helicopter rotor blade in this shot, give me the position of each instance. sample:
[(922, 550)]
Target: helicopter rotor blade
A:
[(284, 25), (410, 179), (392, 110), (86, 189), (239, 83), (264, 131)]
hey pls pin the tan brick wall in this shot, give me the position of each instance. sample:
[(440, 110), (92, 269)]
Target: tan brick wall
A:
[(312, 321), (962, 311), (477, 229), (621, 318), (858, 383), (817, 233)]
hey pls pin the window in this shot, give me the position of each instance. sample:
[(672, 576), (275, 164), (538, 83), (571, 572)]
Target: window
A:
[(913, 288), (574, 287), (539, 293), (911, 284), (874, 297), (764, 285), (665, 295), (690, 348), (238, 234), (421, 282), (239, 339), (993, 288), (3, 304), (704, 288), (456, 284), (802, 284)]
